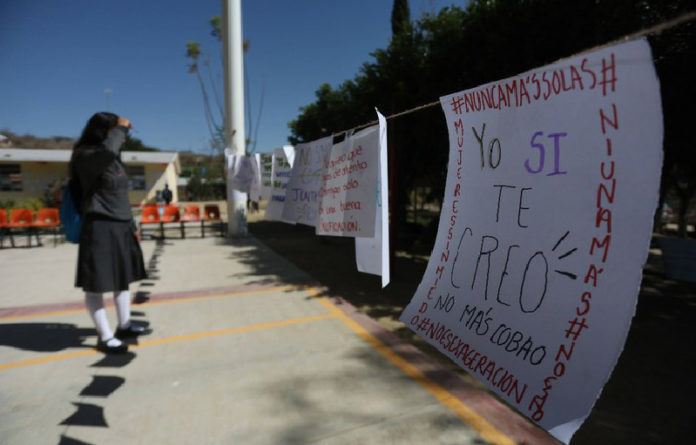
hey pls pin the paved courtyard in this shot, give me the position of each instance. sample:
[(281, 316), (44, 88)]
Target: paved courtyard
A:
[(244, 348)]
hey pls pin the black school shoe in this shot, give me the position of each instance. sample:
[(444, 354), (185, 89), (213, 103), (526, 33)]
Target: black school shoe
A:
[(130, 331), (104, 347)]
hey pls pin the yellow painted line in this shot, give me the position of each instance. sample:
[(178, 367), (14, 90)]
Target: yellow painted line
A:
[(162, 302), (178, 338), (487, 431), (255, 327), (48, 358)]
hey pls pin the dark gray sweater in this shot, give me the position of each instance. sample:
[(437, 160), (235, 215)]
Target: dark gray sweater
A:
[(99, 171)]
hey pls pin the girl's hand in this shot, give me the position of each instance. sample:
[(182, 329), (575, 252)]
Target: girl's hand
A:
[(122, 121)]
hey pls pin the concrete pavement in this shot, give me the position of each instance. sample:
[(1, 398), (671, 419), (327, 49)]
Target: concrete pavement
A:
[(245, 349)]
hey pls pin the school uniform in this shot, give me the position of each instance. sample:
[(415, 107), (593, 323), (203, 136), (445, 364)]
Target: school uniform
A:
[(109, 257)]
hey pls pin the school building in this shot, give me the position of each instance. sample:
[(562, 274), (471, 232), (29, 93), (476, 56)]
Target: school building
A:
[(27, 174)]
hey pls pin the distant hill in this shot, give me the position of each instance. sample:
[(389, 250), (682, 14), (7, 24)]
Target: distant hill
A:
[(188, 160), (61, 142), (29, 141)]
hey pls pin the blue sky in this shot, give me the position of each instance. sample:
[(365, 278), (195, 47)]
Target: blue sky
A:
[(57, 58)]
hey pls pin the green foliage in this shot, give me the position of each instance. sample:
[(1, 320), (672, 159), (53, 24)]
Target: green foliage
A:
[(216, 27), (213, 109), (206, 176), (7, 204), (52, 194), (194, 188), (193, 52), (400, 18), (205, 184), (135, 144), (457, 49), (31, 203)]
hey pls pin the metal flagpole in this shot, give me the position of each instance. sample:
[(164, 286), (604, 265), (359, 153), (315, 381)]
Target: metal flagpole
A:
[(235, 136)]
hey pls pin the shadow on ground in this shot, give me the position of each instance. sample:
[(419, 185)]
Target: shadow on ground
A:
[(361, 370), (647, 399), (330, 261), (44, 337)]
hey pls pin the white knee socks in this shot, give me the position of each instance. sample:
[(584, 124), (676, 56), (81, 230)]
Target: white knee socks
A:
[(122, 300), (95, 305)]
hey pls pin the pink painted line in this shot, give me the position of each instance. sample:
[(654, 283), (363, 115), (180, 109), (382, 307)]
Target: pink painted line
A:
[(168, 296), (20, 311), (483, 402)]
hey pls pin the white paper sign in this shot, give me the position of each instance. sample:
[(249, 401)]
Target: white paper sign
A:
[(255, 188), (243, 174), (302, 193), (372, 254), (265, 162), (546, 221), (282, 165), (347, 198)]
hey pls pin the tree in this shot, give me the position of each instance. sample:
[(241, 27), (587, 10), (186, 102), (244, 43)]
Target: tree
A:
[(214, 118), (135, 144), (205, 182), (214, 110), (457, 49), (674, 53), (400, 18)]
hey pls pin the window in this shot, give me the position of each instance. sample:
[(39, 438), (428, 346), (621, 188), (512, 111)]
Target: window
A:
[(136, 177), (10, 178)]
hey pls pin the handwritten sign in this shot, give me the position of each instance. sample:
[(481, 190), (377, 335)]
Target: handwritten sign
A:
[(372, 254), (282, 165), (302, 192), (265, 162), (546, 221), (347, 196)]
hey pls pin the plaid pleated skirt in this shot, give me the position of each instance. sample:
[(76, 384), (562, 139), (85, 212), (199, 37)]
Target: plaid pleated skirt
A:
[(109, 257)]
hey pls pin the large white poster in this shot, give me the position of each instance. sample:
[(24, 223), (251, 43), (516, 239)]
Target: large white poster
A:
[(347, 196), (372, 254), (546, 221), (302, 192), (282, 165)]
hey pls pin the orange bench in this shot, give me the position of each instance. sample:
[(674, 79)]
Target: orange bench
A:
[(4, 228), (211, 214), (192, 213), (22, 219), (150, 215), (171, 215), (47, 219)]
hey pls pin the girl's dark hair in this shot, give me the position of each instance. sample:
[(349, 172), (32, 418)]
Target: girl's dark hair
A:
[(97, 129)]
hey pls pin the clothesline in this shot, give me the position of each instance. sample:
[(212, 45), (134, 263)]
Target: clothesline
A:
[(656, 29)]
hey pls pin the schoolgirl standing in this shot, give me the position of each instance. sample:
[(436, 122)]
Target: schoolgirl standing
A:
[(109, 257)]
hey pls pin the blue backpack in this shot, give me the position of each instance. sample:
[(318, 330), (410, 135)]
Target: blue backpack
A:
[(70, 217)]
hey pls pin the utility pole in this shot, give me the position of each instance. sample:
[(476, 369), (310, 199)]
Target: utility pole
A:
[(235, 136)]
